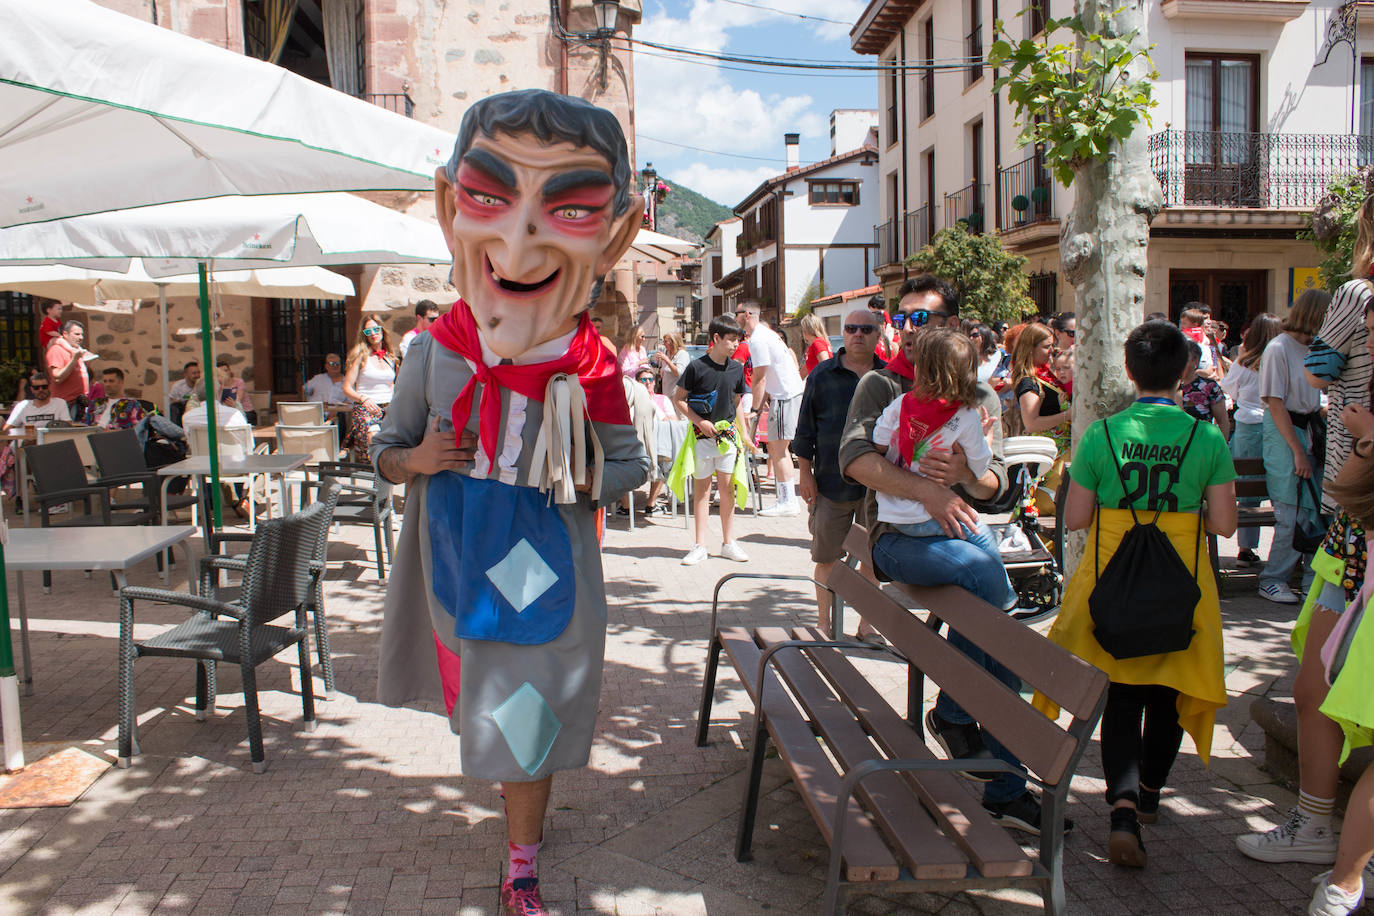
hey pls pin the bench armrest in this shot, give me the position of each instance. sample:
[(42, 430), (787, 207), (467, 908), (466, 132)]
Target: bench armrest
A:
[(771, 577)]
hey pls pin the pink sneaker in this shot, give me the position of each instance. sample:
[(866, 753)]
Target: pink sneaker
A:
[(521, 898)]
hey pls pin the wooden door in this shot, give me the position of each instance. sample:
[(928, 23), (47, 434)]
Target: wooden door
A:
[(1235, 296)]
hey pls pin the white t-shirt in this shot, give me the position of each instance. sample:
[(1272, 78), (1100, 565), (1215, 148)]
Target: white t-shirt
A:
[(406, 339), (323, 388), (1282, 375), (26, 412), (376, 380), (766, 350), (225, 416), (965, 428), (1243, 386)]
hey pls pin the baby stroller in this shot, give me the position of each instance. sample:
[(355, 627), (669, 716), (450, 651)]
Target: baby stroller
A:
[(1032, 564)]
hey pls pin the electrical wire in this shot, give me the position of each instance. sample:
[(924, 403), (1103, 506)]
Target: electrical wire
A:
[(769, 9), (961, 63), (713, 152), (716, 65)]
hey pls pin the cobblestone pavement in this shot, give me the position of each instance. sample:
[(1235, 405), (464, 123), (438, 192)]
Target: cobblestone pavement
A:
[(369, 812)]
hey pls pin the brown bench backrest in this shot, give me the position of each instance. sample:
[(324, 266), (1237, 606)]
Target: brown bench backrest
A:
[(1076, 686), (1250, 483)]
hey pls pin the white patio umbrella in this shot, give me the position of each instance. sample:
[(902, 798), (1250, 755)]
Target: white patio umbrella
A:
[(89, 287), (103, 111), (99, 111), (655, 246)]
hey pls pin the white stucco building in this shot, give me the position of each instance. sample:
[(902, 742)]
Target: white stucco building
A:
[(1254, 118), (811, 227)]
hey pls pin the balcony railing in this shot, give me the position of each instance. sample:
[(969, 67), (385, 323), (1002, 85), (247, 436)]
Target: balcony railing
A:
[(399, 102), (1266, 171), (966, 205), (973, 48), (885, 237), (1027, 195), (919, 223)]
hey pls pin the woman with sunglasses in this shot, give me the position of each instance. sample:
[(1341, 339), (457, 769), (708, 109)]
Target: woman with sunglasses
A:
[(368, 382)]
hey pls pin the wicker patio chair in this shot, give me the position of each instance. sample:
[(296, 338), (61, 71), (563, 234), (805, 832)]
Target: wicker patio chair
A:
[(300, 413), (121, 463), (276, 582), (364, 499), (217, 542)]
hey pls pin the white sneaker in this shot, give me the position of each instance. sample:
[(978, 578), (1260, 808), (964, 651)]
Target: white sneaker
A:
[(781, 510), (732, 551), (697, 554), (1279, 593), (1287, 842), (1329, 900)]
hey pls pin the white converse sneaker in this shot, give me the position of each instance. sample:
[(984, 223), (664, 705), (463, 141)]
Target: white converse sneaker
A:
[(732, 551), (695, 555), (1288, 843), (778, 510), (1329, 900)]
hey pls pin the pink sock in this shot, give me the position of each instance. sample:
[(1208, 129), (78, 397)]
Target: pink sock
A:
[(523, 860)]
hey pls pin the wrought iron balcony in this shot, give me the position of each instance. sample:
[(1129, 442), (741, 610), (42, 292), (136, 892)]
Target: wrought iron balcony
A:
[(1027, 195), (885, 237), (966, 206), (920, 226), (399, 102), (1256, 170)]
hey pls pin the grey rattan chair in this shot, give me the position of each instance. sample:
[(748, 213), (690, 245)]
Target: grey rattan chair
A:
[(276, 582), (365, 500), (218, 541)]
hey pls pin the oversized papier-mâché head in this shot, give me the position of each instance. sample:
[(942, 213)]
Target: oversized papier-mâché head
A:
[(537, 206)]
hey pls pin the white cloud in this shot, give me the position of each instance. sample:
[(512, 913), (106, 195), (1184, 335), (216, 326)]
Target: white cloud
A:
[(724, 186)]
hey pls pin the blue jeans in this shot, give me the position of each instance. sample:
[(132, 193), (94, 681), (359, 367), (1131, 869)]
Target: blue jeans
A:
[(975, 566), (1282, 557)]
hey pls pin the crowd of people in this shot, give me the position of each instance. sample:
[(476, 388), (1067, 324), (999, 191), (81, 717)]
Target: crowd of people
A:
[(902, 429)]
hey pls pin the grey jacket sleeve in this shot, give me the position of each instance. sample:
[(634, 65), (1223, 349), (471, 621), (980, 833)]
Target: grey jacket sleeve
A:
[(626, 463), (988, 400), (408, 413), (876, 390)]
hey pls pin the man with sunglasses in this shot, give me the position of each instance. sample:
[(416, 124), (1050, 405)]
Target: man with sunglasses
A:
[(945, 487), (40, 410), (834, 502)]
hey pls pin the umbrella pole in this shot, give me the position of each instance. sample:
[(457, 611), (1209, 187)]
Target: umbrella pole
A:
[(162, 315), (208, 355), (9, 682)]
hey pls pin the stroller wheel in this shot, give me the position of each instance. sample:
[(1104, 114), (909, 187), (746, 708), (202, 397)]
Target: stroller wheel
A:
[(1038, 596)]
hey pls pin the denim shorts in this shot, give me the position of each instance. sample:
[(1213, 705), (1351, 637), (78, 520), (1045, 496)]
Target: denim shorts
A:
[(1332, 597)]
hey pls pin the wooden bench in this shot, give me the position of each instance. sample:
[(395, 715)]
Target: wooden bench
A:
[(916, 820), (1250, 484)]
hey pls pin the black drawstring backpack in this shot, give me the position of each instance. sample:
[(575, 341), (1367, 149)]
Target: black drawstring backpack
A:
[(1144, 600)]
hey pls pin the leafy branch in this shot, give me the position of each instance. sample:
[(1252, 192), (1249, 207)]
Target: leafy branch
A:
[(1076, 100)]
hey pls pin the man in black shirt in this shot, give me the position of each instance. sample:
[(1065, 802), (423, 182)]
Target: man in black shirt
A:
[(708, 391), (835, 501)]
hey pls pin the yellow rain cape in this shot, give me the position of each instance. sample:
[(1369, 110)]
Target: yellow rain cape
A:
[(685, 464), (1197, 673), (1349, 702)]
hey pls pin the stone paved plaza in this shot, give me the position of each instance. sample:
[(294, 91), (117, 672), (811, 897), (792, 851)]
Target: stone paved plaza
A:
[(369, 813)]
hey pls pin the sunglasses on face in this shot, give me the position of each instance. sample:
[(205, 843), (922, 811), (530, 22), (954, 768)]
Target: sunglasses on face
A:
[(370, 331), (332, 362), (38, 387), (917, 319), (859, 329), (1071, 332)]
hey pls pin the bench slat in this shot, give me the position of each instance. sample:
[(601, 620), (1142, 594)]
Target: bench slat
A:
[(1039, 743), (866, 856), (887, 796), (992, 849), (1050, 668)]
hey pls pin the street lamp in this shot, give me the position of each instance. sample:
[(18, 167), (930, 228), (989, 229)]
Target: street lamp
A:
[(607, 13), (650, 197)]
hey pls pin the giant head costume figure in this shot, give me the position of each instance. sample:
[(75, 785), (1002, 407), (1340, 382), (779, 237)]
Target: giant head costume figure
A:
[(536, 205)]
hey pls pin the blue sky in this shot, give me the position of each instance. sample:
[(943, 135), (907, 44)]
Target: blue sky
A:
[(680, 103)]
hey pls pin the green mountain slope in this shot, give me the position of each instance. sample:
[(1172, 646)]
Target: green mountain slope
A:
[(686, 215)]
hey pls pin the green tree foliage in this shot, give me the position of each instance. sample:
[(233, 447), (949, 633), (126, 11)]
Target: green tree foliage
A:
[(1075, 100), (811, 294), (1333, 225), (991, 283), (687, 215)]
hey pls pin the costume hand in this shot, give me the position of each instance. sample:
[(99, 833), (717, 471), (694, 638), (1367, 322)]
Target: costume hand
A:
[(438, 451), (1358, 420), (944, 466), (950, 511), (1301, 466), (806, 486)]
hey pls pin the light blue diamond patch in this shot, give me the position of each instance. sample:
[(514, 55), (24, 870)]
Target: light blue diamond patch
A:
[(522, 576), (528, 725)]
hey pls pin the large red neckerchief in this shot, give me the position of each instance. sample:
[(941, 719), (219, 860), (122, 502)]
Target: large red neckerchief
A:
[(899, 365), (1045, 376), (920, 419), (586, 357)]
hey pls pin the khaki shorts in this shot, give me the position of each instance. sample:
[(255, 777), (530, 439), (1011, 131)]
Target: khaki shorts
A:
[(829, 522)]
